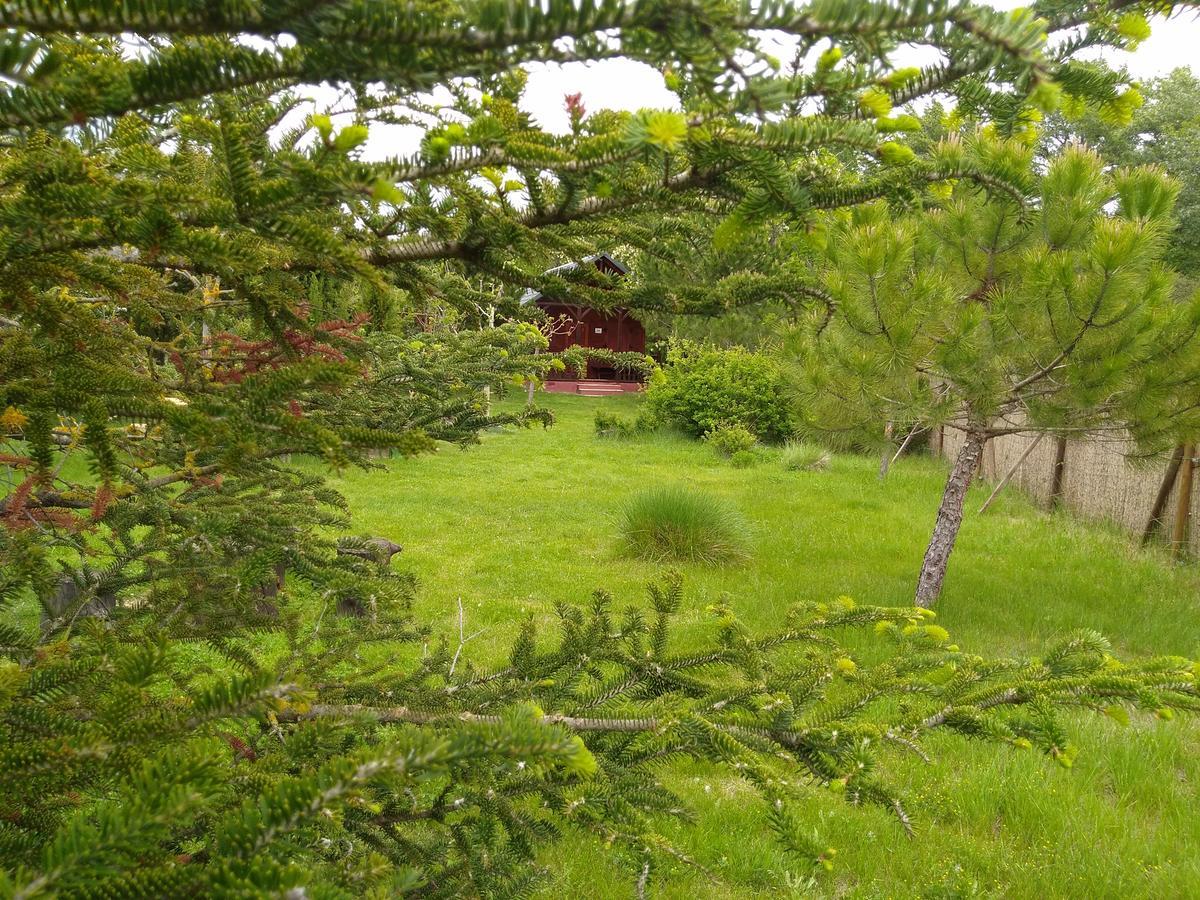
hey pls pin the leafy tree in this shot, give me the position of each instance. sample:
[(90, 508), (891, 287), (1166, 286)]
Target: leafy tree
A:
[(208, 686), (999, 315)]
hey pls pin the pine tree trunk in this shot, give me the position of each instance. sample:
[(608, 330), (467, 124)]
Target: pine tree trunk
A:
[(949, 519), (886, 459)]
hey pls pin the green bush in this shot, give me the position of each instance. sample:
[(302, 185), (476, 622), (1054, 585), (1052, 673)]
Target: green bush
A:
[(800, 456), (729, 440), (675, 523), (744, 459), (611, 425), (703, 388)]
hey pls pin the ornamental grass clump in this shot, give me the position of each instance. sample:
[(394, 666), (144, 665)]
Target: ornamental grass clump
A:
[(677, 524), (800, 456)]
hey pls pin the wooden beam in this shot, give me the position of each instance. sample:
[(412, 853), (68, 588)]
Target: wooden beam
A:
[(1164, 493), (916, 429), (1011, 472), (1183, 502)]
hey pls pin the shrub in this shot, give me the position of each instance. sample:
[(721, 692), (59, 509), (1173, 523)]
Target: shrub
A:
[(744, 459), (674, 523), (729, 440), (702, 388), (611, 425), (800, 456)]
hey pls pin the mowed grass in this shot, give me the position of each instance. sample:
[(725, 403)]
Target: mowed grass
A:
[(529, 518)]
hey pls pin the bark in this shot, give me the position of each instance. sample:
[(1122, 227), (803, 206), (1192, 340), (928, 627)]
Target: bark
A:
[(949, 519)]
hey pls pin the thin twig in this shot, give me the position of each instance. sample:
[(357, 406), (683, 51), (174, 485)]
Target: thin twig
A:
[(462, 639)]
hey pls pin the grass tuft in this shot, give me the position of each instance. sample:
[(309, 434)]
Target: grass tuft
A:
[(676, 524), (799, 456)]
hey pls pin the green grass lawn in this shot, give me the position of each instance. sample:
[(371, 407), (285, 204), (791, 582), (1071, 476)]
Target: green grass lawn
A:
[(529, 518)]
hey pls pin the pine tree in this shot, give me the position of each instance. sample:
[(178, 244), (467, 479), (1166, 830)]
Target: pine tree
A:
[(1050, 311), (210, 687)]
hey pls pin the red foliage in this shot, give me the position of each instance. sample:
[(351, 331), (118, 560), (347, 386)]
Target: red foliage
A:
[(104, 496), (575, 108), (240, 748), (13, 515), (234, 358), (58, 518)]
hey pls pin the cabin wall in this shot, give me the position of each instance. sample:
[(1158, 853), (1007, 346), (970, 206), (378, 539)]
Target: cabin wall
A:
[(582, 326)]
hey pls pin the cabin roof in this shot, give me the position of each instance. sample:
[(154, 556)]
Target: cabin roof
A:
[(530, 295)]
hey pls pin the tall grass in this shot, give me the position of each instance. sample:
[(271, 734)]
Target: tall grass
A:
[(799, 456), (673, 523)]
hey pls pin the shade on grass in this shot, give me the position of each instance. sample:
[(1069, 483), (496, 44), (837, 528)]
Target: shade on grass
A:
[(675, 524)]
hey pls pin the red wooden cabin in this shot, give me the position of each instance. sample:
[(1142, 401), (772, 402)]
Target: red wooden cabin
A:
[(583, 326)]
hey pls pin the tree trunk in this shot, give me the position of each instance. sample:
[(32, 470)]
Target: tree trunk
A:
[(886, 459), (487, 388), (1060, 469), (529, 392), (949, 519)]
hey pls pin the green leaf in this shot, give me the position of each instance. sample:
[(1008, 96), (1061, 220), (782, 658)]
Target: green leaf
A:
[(875, 102), (387, 192), (322, 123), (1118, 714), (350, 137), (659, 128), (580, 760)]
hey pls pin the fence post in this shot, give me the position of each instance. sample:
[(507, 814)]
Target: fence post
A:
[(1183, 502), (1164, 493), (1060, 466)]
